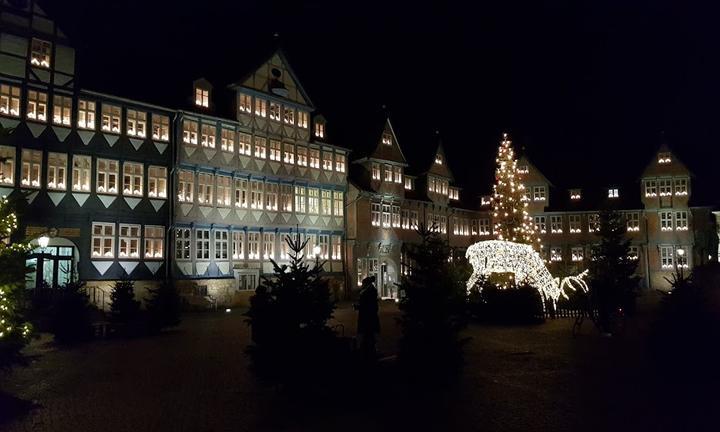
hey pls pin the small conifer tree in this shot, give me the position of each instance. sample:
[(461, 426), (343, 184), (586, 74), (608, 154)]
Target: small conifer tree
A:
[(123, 306)]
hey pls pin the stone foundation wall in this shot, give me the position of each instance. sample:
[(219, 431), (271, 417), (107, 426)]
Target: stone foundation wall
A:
[(99, 291)]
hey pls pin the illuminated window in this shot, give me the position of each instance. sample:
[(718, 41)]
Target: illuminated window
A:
[(375, 171), (408, 183), (241, 193), (664, 158), (522, 169), (31, 168), (313, 201), (577, 254), (388, 173), (136, 123), (275, 150), (650, 188), (320, 130), (613, 193), (227, 140), (310, 246), (103, 240), (37, 106), (681, 186), (438, 159), (269, 245), (154, 241), (397, 172), (387, 139), (207, 135), (271, 196), (86, 114), (414, 219), (221, 245), (238, 240), (396, 216), (289, 115), (202, 244), (632, 221), (186, 186), (339, 162), (224, 191), (205, 188), (107, 175), (256, 195), (338, 203), (260, 149), (182, 244), (286, 197), (336, 248), (10, 100), (539, 193), (111, 118), (593, 222), (667, 257), (57, 171), (326, 202), (314, 158), (82, 167), (327, 160), (556, 224), (129, 241), (274, 111), (405, 218), (260, 107), (575, 194), (301, 156), (132, 179), (40, 52), (7, 165), (540, 225), (681, 220), (633, 252), (62, 110), (375, 214), (666, 221), (574, 223), (253, 245), (386, 215), (484, 226), (244, 141), (431, 184), (289, 153), (157, 182), (245, 103), (302, 119), (555, 254), (665, 187), (202, 97)]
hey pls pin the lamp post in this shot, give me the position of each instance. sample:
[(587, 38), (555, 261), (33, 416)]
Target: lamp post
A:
[(43, 241)]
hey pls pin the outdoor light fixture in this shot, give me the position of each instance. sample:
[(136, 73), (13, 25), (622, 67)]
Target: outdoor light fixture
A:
[(681, 252), (228, 310), (43, 241), (316, 250)]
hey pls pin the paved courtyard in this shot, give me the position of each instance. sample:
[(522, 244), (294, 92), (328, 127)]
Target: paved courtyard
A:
[(195, 378)]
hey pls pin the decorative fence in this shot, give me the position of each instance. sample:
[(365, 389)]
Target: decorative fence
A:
[(564, 313)]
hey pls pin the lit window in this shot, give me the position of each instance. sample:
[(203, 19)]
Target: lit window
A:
[(202, 244), (408, 183), (556, 224), (313, 201), (302, 119), (681, 187), (223, 191), (182, 244), (666, 221), (256, 195), (540, 224), (438, 159), (336, 248), (271, 196), (387, 139), (650, 188), (62, 110), (388, 173), (111, 118), (397, 171), (681, 258), (37, 106), (202, 97), (207, 135), (7, 165), (338, 203), (443, 224), (310, 246), (324, 242), (269, 245), (667, 257), (40, 51), (86, 114), (103, 240), (593, 222), (555, 254), (186, 186), (577, 254), (241, 193), (289, 153), (575, 194), (299, 199), (227, 140), (157, 182), (154, 241), (31, 168), (523, 169), (314, 158), (633, 221), (665, 187), (396, 216), (320, 130), (274, 111), (289, 115), (681, 220), (386, 215), (664, 158), (260, 107), (613, 193), (574, 222), (375, 214), (107, 174), (539, 193), (253, 245), (286, 197), (129, 241), (136, 123), (326, 202), (405, 219), (375, 171), (301, 156), (260, 149), (57, 171), (414, 219), (484, 226), (633, 252), (339, 162), (221, 245), (275, 150), (244, 141), (10, 100), (245, 103), (161, 127), (431, 184), (238, 251), (205, 188), (327, 160), (82, 166)]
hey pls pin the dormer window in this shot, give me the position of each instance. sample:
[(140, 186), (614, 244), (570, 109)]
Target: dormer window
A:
[(302, 119), (523, 169), (575, 194), (408, 183), (202, 97), (245, 103), (438, 159), (289, 115), (664, 158), (40, 53), (485, 200), (320, 130), (613, 193), (387, 139)]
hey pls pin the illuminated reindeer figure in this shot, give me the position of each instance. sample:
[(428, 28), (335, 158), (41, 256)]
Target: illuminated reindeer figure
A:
[(498, 256)]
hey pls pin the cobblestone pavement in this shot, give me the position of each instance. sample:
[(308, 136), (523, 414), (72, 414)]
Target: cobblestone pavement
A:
[(195, 378)]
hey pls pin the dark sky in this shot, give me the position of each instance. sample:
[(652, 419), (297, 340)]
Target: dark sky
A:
[(585, 87)]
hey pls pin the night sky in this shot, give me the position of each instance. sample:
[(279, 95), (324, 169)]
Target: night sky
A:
[(585, 89)]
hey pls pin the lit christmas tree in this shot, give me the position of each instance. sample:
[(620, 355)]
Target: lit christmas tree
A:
[(511, 220)]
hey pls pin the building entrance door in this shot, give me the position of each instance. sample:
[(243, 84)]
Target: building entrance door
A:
[(52, 265), (387, 280)]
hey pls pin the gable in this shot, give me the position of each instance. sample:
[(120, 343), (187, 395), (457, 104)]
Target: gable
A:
[(671, 167), (388, 150), (439, 164), (275, 77), (533, 175)]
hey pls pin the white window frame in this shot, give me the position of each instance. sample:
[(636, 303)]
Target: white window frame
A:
[(106, 176), (154, 242), (129, 241), (161, 127), (31, 170), (183, 244), (202, 244), (186, 186), (299, 199), (102, 245), (338, 203), (223, 193), (157, 181), (86, 114), (227, 140), (9, 100), (40, 53), (539, 193), (37, 103), (136, 123), (62, 110), (133, 178), (7, 165), (81, 173), (57, 171), (206, 186), (241, 193), (238, 245), (220, 245), (111, 118)]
